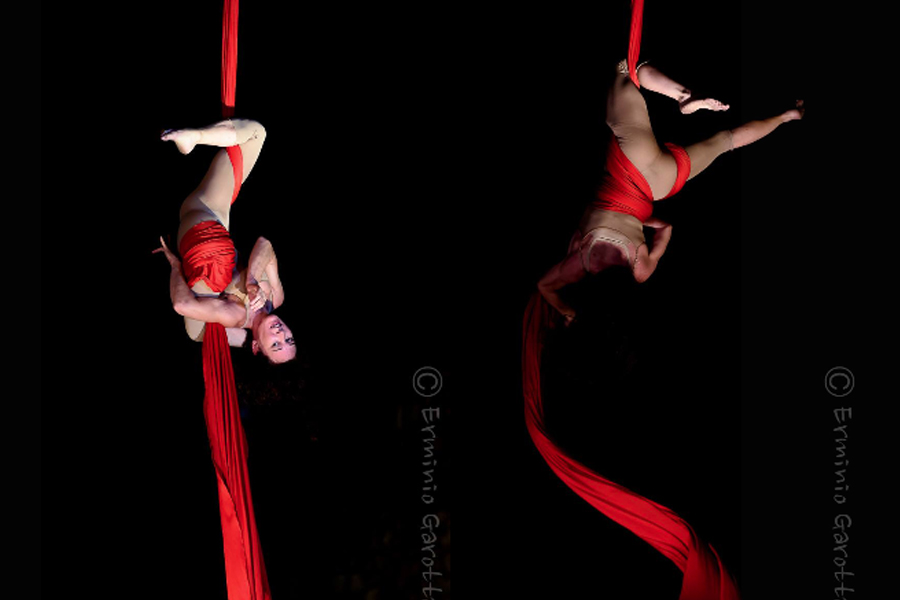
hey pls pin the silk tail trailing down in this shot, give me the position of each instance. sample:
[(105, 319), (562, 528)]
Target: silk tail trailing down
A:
[(245, 572), (705, 578)]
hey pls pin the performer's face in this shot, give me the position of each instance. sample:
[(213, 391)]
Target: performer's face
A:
[(275, 340)]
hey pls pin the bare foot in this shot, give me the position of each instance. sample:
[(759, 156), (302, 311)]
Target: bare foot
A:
[(692, 105), (795, 114), (185, 139)]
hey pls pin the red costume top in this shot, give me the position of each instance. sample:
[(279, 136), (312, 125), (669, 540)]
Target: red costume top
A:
[(208, 255)]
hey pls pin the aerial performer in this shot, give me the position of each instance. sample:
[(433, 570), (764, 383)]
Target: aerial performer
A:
[(638, 173), (205, 284), (222, 305)]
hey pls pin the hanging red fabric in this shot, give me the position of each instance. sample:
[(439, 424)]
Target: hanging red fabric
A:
[(705, 578), (229, 56), (634, 39), (245, 572)]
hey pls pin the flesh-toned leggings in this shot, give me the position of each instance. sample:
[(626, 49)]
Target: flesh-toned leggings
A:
[(627, 116)]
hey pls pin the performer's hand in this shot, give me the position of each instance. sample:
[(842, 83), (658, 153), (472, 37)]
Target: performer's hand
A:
[(259, 293), (655, 223), (173, 260)]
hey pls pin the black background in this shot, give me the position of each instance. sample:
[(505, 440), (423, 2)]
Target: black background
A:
[(424, 166)]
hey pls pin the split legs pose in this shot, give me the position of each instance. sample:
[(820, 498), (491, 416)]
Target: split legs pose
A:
[(629, 120)]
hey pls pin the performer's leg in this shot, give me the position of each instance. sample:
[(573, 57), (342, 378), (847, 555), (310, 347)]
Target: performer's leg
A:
[(627, 116), (212, 198), (755, 130), (247, 133), (211, 201), (655, 80), (703, 153)]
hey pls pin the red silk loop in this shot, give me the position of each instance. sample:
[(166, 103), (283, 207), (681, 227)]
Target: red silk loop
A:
[(237, 165), (705, 577)]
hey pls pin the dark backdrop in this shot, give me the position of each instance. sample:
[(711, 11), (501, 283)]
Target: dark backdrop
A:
[(424, 167)]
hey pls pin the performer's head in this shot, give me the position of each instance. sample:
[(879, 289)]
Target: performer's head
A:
[(273, 339), (604, 255)]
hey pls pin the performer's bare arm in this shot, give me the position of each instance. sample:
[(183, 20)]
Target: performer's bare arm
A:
[(263, 260), (569, 271), (187, 304), (648, 259)]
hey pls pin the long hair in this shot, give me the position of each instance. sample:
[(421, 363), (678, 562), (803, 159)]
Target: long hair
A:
[(262, 384)]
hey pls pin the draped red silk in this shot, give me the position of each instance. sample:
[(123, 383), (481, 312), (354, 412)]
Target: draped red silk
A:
[(634, 39), (229, 56), (245, 572), (705, 578), (624, 189)]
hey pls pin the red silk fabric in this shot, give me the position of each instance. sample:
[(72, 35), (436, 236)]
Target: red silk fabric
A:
[(624, 189), (208, 255), (229, 56), (705, 578), (245, 571), (634, 39), (237, 165)]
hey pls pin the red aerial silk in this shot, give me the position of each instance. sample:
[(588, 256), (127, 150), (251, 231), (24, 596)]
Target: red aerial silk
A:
[(624, 189), (245, 571), (634, 39), (705, 578), (209, 255), (229, 56), (237, 165)]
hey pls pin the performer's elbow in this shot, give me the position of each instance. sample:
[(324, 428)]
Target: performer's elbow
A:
[(181, 307)]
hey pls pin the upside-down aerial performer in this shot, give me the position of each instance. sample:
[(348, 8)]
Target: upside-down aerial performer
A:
[(611, 233), (222, 304)]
